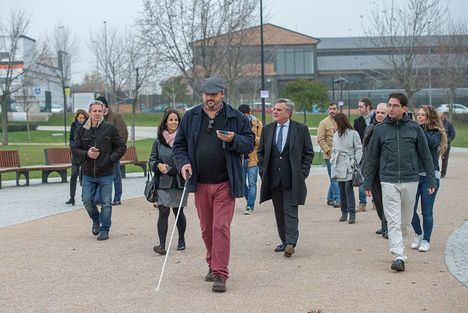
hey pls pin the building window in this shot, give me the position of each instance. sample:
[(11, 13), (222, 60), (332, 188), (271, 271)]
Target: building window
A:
[(294, 61)]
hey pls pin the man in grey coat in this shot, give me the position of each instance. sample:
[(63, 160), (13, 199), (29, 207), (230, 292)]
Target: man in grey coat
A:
[(285, 154), (395, 147)]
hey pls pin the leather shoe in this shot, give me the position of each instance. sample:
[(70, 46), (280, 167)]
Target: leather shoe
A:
[(289, 250), (71, 201), (379, 231), (219, 284), (160, 250), (209, 277), (181, 246), (280, 248), (95, 228), (103, 235), (116, 202), (398, 265), (385, 234)]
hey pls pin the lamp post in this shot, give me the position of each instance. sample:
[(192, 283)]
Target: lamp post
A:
[(262, 61), (340, 81)]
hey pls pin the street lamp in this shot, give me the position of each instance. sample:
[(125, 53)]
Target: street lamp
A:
[(340, 81)]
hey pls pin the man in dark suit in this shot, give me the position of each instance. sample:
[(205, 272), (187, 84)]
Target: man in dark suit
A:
[(360, 124), (285, 154)]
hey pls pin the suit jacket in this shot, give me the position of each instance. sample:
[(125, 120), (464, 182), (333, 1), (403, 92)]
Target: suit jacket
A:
[(301, 155), (360, 126)]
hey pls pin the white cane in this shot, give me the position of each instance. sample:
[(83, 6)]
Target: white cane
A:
[(172, 234)]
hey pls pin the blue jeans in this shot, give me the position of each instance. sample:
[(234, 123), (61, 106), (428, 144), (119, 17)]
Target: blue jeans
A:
[(117, 183), (427, 206), (333, 189), (90, 188), (250, 187), (362, 195)]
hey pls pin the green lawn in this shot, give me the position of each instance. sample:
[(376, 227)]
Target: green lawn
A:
[(37, 136), (461, 139)]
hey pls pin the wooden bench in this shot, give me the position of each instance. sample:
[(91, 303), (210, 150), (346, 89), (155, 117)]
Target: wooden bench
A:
[(59, 160), (130, 157), (10, 162)]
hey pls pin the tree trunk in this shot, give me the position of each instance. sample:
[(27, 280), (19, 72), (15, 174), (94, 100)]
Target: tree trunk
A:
[(65, 107), (305, 116), (27, 125), (4, 121)]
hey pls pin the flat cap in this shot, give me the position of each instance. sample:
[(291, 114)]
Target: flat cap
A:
[(212, 85)]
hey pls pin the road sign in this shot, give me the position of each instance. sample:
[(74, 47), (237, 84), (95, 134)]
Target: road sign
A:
[(264, 94), (37, 91)]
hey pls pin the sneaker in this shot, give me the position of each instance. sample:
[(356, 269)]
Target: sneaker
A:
[(330, 202), (219, 284), (209, 277), (289, 250), (248, 211), (159, 250), (398, 265), (416, 242), (361, 207), (103, 235), (425, 246)]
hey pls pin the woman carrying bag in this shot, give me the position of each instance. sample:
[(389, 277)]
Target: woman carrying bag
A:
[(346, 154), (170, 183)]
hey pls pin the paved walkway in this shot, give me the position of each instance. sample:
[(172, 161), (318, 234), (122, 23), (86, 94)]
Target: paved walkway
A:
[(54, 264)]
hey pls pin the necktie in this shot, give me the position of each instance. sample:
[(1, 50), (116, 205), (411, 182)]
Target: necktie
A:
[(279, 139)]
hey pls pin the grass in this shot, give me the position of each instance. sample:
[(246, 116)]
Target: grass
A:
[(461, 139), (37, 136)]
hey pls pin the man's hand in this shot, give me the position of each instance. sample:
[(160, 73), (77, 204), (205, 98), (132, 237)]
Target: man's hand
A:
[(431, 190), (186, 171), (225, 136), (93, 153), (162, 168), (368, 193)]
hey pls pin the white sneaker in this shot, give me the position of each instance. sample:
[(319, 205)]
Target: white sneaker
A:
[(425, 246), (416, 242)]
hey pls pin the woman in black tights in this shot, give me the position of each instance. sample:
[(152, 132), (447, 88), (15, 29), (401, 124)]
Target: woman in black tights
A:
[(170, 181)]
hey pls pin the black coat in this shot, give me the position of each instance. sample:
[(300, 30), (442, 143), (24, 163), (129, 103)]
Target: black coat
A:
[(301, 155), (111, 147)]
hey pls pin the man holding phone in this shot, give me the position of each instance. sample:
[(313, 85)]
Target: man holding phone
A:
[(207, 150), (99, 146)]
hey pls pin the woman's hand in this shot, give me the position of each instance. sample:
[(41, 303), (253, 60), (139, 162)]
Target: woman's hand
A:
[(162, 168)]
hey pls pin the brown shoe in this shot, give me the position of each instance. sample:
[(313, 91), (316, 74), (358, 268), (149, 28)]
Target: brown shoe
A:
[(160, 250), (219, 284), (209, 277), (289, 251), (361, 207)]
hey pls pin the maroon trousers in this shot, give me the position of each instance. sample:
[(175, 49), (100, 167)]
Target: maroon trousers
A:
[(215, 208)]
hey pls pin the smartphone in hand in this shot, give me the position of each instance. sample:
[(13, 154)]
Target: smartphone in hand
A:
[(224, 132)]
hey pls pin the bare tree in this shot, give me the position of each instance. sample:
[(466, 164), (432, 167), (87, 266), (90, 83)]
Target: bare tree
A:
[(400, 32), (452, 57), (26, 101), (198, 36), (19, 56)]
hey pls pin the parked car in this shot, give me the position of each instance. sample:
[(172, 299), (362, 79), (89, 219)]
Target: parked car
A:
[(56, 108), (457, 108)]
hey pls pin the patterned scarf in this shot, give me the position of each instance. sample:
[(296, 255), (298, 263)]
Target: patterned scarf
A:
[(169, 137)]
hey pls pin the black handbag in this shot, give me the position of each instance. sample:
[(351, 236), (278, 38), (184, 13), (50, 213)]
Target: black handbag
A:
[(151, 187), (358, 178)]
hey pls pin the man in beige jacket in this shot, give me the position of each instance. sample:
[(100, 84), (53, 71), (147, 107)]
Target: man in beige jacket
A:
[(251, 161), (326, 130)]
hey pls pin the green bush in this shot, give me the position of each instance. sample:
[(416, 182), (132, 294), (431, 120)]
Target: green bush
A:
[(21, 127)]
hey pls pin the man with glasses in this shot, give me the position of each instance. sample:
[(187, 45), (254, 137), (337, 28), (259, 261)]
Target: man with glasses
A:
[(207, 150), (394, 149)]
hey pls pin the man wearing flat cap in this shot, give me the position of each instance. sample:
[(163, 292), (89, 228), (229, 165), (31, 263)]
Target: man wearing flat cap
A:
[(208, 147)]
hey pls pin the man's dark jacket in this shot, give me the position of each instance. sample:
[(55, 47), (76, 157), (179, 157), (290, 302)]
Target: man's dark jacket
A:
[(396, 146), (186, 142), (360, 125), (111, 147), (301, 155)]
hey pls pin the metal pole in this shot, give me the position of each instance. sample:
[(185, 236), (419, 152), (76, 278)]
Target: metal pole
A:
[(262, 61), (105, 57)]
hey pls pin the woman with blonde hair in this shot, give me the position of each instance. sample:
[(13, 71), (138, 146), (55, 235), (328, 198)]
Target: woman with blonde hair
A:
[(436, 137)]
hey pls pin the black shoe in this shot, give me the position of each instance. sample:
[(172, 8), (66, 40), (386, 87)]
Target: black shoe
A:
[(219, 284), (103, 235), (344, 217), (352, 218), (116, 202), (71, 201), (379, 231), (398, 265), (336, 205), (181, 246), (385, 234), (330, 203), (280, 248), (289, 250), (209, 277), (160, 250), (95, 228)]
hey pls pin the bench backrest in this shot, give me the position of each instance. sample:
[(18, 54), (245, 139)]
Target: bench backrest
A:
[(9, 158), (130, 154), (57, 155)]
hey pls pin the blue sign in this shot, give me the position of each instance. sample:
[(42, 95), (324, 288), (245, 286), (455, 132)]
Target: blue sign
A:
[(37, 91)]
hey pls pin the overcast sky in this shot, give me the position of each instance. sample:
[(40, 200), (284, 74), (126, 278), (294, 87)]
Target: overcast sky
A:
[(317, 18)]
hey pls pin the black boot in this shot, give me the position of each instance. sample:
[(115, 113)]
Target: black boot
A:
[(344, 217), (71, 201), (352, 218)]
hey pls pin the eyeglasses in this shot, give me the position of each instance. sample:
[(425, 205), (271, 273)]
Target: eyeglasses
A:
[(394, 106), (210, 126)]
